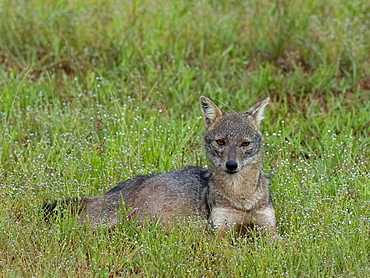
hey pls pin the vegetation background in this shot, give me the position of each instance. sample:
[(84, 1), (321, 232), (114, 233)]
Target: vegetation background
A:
[(94, 92)]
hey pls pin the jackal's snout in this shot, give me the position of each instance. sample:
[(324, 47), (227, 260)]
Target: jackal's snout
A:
[(231, 166)]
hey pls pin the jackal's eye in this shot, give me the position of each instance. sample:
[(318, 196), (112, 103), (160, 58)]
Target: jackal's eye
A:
[(220, 142), (244, 144)]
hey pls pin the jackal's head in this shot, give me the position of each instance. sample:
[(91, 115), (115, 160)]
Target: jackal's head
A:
[(233, 140)]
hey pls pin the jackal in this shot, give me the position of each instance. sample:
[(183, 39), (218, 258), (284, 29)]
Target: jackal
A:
[(234, 191)]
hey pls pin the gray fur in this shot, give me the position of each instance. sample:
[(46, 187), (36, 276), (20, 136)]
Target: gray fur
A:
[(239, 196), (234, 192), (163, 196)]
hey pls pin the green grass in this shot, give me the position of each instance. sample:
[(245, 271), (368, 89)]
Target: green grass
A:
[(94, 92)]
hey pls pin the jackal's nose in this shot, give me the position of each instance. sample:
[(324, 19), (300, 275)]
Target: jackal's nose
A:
[(231, 165)]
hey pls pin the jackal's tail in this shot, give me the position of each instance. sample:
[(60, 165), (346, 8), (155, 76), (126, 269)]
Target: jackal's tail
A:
[(52, 210)]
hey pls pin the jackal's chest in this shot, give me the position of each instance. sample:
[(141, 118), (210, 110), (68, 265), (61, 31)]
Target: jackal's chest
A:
[(238, 199), (244, 203), (242, 197)]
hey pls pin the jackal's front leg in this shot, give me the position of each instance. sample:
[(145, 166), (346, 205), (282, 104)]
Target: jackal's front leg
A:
[(224, 219), (266, 218)]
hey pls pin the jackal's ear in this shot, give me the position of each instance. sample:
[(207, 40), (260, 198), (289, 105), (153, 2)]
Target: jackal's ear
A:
[(210, 110), (256, 110)]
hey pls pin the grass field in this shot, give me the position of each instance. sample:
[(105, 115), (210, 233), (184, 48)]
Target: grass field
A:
[(94, 92)]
